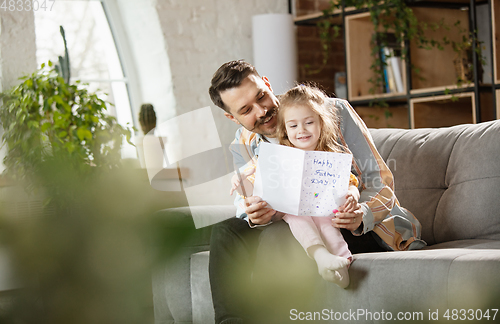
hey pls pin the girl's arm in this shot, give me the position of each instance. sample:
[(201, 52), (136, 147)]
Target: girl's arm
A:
[(243, 186)]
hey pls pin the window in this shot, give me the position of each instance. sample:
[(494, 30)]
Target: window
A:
[(92, 51)]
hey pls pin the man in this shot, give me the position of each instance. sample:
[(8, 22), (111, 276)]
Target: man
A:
[(251, 254)]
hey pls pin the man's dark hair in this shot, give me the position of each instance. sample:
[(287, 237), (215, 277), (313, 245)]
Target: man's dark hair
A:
[(229, 75)]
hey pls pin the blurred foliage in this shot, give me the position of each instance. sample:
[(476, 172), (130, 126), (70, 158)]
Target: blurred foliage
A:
[(44, 116), (89, 256)]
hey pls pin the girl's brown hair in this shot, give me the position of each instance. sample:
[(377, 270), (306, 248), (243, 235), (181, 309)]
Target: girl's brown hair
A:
[(317, 101)]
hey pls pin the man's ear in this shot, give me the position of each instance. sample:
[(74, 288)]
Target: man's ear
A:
[(267, 83), (231, 117)]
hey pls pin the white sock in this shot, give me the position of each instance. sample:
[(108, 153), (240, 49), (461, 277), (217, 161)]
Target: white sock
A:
[(331, 267), (339, 277)]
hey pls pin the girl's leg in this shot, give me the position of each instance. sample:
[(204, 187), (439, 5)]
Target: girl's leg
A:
[(304, 230), (331, 236), (307, 233), (337, 246)]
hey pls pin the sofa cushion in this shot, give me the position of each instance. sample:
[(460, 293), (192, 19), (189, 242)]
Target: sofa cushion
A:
[(203, 309), (470, 208), (466, 244), (429, 279), (446, 178)]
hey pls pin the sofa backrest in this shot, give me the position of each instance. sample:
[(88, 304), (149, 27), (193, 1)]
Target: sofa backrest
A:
[(449, 178)]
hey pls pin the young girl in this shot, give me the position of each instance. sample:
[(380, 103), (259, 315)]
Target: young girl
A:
[(305, 121)]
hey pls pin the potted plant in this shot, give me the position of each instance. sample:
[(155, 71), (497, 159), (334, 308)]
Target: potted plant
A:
[(46, 118), (464, 67)]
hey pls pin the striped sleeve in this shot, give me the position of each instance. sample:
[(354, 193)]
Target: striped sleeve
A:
[(243, 151), (377, 186)]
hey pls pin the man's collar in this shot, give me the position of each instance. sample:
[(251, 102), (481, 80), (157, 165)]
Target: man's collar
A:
[(261, 138), (270, 140)]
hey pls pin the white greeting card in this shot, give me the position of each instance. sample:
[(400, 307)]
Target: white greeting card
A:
[(303, 183)]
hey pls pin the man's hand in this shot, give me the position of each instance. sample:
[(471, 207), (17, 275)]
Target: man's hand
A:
[(258, 211), (349, 218)]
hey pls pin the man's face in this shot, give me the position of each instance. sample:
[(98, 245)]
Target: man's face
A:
[(253, 105)]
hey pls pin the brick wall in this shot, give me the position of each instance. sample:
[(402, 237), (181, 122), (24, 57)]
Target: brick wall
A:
[(304, 7), (310, 54)]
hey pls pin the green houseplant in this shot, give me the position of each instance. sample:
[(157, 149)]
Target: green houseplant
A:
[(44, 118)]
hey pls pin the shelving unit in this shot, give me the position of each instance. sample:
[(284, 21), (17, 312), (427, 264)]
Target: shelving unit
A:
[(431, 97), (443, 111), (495, 13), (358, 34)]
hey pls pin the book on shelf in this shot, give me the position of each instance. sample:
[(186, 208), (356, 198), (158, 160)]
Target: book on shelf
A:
[(387, 88), (390, 55), (393, 65)]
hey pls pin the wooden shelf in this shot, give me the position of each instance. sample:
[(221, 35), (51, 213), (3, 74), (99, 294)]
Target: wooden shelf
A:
[(429, 101), (497, 95), (375, 117), (486, 104), (442, 111), (436, 66), (467, 86), (386, 96), (495, 12), (317, 16), (359, 30)]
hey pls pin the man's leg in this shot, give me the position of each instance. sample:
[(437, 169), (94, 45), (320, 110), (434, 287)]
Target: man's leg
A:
[(365, 243), (232, 253), (284, 276)]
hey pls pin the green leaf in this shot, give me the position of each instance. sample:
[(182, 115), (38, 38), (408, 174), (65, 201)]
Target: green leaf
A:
[(70, 146), (80, 132), (45, 127), (33, 124), (88, 134), (62, 134)]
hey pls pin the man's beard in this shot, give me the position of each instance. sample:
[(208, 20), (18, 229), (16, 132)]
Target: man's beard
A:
[(270, 113)]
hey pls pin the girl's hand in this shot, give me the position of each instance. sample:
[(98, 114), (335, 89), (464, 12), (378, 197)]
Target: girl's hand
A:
[(236, 183), (350, 205)]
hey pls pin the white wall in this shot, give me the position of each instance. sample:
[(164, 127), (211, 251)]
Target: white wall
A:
[(17, 51), (175, 46), (17, 46), (201, 35)]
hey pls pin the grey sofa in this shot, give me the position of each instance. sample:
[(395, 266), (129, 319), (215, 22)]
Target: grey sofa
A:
[(450, 179)]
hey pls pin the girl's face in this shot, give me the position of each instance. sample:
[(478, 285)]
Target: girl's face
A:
[(303, 127)]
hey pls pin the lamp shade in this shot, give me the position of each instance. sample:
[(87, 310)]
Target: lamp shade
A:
[(275, 49)]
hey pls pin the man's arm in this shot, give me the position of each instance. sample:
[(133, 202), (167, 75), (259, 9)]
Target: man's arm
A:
[(252, 209), (377, 187)]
